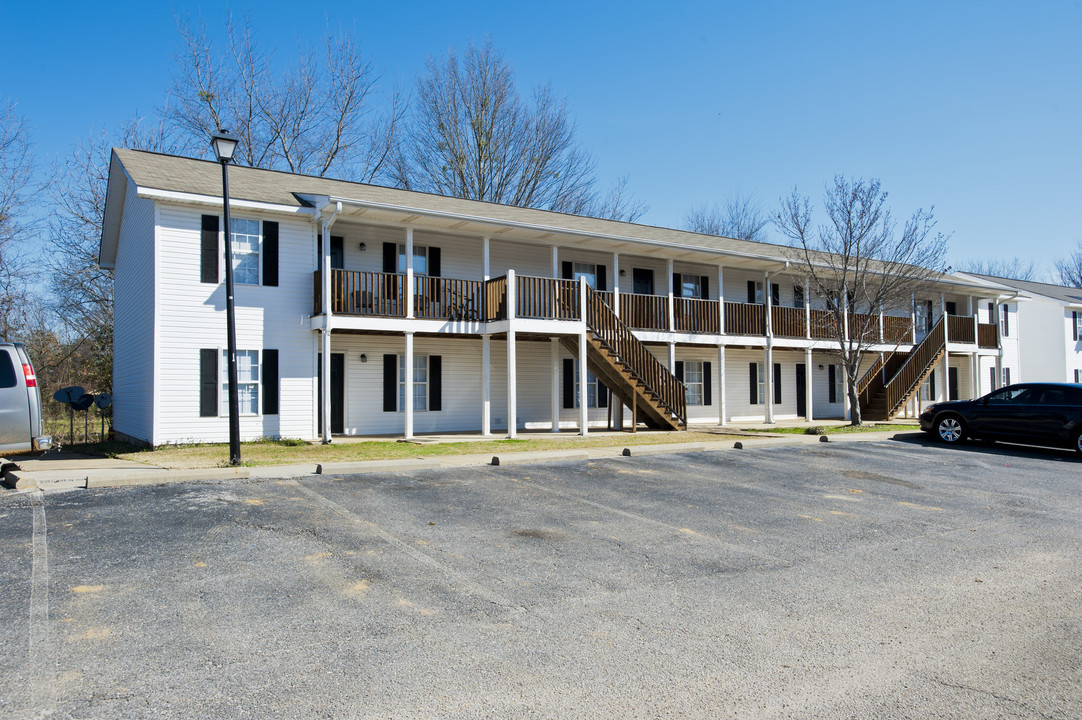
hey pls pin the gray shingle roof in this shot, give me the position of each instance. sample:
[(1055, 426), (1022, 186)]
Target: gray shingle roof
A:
[(1069, 295)]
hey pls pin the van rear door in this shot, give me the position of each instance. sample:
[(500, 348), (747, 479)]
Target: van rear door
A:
[(15, 433)]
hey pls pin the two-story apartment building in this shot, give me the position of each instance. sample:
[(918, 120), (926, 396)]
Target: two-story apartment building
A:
[(430, 314)]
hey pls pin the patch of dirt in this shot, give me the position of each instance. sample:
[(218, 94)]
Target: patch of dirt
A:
[(875, 477)]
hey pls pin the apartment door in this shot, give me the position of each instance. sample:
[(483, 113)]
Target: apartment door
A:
[(952, 383), (338, 393), (801, 390), (642, 281)]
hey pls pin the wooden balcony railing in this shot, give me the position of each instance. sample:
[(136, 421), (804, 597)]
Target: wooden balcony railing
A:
[(787, 322), (607, 297), (986, 335), (644, 312), (865, 326), (696, 316), (823, 325), (916, 363), (961, 329), (366, 293), (496, 299), (446, 298), (897, 329), (546, 298), (745, 319)]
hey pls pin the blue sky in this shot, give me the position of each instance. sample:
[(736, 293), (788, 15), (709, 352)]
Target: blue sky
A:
[(974, 107)]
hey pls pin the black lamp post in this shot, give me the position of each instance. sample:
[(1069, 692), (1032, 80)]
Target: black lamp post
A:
[(224, 146)]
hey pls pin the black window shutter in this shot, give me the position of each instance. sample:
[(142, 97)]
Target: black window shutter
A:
[(270, 382), (1074, 323), (434, 261), (208, 382), (775, 293), (390, 257), (754, 373), (209, 250), (1006, 321), (435, 382), (708, 385), (338, 253), (704, 287), (1006, 376), (569, 383), (602, 280), (931, 385), (568, 270), (751, 291), (991, 312), (679, 370), (602, 395), (832, 383), (677, 290), (777, 382), (270, 253), (390, 383)]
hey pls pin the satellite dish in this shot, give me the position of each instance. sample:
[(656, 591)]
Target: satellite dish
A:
[(69, 394), (103, 400), (83, 402)]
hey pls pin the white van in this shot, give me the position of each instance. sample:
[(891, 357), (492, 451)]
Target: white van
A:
[(20, 402)]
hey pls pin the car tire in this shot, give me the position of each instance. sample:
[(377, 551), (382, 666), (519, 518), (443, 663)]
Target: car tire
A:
[(1077, 444), (950, 429)]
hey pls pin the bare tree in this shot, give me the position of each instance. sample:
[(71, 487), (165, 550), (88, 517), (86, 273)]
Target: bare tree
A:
[(1070, 268), (738, 217), (319, 116), (858, 263), (471, 135), (16, 188), (1016, 268)]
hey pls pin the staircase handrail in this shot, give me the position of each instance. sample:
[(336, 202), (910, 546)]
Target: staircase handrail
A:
[(920, 359), (611, 331)]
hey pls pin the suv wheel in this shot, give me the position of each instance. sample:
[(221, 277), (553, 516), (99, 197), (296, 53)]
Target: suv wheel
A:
[(1078, 442), (951, 429)]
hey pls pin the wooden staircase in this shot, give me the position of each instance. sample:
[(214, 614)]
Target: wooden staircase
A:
[(628, 368), (888, 386)]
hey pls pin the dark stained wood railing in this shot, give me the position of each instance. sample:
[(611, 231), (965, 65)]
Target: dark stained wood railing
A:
[(823, 325), (961, 329), (897, 389), (546, 298), (787, 322), (986, 335), (448, 298), (745, 319), (495, 299), (636, 357), (644, 312), (864, 326), (368, 293), (607, 297), (696, 316), (897, 329)]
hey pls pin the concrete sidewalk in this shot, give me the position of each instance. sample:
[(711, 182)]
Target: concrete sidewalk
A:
[(68, 471)]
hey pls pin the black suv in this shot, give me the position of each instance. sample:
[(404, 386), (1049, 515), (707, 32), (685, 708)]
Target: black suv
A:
[(1031, 413)]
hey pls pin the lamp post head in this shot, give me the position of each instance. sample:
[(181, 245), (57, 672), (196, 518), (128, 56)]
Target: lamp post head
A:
[(224, 145)]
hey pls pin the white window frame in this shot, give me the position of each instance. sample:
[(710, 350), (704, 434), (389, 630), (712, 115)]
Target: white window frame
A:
[(592, 388), (420, 252), (1078, 326), (1006, 376), (422, 371), (1004, 321), (240, 255), (586, 270), (696, 286), (839, 384), (799, 301), (696, 389), (760, 298), (760, 391), (253, 385)]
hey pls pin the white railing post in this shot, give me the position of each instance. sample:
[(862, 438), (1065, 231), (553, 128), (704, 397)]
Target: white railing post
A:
[(409, 273), (721, 301)]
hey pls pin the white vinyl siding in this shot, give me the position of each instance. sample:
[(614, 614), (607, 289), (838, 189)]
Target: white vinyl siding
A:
[(134, 298)]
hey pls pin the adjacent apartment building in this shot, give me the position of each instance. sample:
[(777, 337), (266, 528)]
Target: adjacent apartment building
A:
[(428, 314)]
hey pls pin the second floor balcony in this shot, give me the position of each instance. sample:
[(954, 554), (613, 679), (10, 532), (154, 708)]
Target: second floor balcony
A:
[(376, 294)]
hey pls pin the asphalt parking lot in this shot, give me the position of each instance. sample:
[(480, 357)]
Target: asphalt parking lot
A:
[(864, 580)]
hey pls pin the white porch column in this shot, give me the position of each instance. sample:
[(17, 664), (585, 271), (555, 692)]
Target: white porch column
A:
[(555, 261), (721, 300), (945, 393), (913, 317), (408, 400), (512, 388), (584, 407), (616, 283), (486, 257), (809, 385), (486, 385), (409, 275), (555, 360), (325, 390), (672, 358), (512, 372), (672, 290), (768, 303), (721, 385), (807, 312), (974, 376)]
